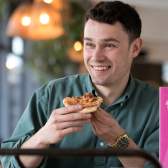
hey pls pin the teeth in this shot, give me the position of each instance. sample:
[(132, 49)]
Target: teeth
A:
[(100, 68)]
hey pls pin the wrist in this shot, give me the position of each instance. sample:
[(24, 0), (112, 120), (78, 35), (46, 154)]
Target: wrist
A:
[(121, 142), (40, 141), (36, 141)]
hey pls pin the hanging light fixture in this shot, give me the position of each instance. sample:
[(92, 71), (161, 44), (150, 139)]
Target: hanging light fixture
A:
[(36, 21), (20, 21), (56, 4), (75, 53), (46, 22)]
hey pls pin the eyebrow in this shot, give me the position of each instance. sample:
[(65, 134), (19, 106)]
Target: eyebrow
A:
[(104, 40)]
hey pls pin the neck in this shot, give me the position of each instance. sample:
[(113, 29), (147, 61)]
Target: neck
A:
[(111, 92)]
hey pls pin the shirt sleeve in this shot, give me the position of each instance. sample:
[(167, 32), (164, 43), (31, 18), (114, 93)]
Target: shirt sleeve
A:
[(33, 118), (151, 144), (152, 147)]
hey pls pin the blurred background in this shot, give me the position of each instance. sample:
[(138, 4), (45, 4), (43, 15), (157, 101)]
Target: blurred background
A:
[(42, 39)]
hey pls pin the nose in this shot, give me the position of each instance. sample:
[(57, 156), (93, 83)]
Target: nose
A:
[(98, 54)]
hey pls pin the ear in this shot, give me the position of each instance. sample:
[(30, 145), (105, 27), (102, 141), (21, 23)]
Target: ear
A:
[(136, 46)]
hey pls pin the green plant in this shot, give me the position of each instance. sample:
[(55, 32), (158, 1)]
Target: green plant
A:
[(50, 58), (2, 5)]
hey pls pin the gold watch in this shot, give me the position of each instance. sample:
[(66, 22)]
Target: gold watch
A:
[(121, 143)]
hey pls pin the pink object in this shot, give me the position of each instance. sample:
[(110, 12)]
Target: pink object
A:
[(163, 126)]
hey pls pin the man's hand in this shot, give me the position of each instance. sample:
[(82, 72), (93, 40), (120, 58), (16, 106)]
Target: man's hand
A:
[(105, 127), (63, 121), (108, 129)]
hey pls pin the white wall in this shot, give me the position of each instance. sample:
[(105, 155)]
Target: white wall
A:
[(155, 32), (154, 15)]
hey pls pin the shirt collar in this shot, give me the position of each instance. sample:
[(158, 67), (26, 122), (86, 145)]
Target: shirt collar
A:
[(124, 97), (89, 85)]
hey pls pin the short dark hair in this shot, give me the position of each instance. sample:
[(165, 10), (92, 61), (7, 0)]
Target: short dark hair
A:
[(111, 12)]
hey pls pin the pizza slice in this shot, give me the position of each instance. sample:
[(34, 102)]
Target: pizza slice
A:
[(88, 101)]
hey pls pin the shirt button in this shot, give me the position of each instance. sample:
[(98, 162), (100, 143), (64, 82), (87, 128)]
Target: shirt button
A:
[(101, 144), (121, 104)]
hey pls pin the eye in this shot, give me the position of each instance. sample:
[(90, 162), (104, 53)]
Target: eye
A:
[(110, 45), (89, 45)]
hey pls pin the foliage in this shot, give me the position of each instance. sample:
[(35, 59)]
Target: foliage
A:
[(50, 58), (2, 4)]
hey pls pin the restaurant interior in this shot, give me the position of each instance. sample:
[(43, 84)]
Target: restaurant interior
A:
[(42, 40)]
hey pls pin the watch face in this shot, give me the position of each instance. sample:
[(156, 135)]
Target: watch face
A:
[(121, 143)]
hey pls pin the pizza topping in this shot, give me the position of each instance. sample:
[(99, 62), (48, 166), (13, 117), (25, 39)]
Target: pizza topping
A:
[(87, 100)]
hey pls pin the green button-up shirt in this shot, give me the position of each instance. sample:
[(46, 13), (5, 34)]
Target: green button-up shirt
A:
[(136, 110)]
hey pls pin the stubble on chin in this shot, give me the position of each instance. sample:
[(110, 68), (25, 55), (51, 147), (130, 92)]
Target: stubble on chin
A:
[(99, 81)]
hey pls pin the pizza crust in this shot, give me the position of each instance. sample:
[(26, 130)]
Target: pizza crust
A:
[(88, 101), (89, 109)]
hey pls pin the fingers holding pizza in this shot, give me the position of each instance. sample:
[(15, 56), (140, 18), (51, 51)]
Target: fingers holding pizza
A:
[(69, 119), (88, 101), (103, 124), (62, 122)]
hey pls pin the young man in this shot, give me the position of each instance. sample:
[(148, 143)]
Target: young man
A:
[(129, 113)]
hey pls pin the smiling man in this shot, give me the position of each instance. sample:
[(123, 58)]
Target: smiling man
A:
[(128, 117), (108, 56)]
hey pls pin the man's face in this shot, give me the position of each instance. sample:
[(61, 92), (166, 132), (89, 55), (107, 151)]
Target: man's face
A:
[(108, 54)]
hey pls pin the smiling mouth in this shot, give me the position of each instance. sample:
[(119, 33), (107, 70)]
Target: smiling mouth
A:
[(101, 67)]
